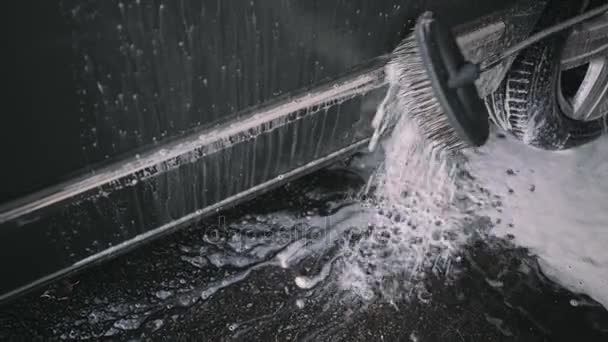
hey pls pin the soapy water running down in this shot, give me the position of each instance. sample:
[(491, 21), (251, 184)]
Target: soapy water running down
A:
[(406, 223), (392, 240), (378, 245), (419, 208), (395, 240)]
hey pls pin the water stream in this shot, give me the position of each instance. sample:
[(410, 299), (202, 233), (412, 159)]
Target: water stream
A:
[(373, 248)]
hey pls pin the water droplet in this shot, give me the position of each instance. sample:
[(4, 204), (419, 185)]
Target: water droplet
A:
[(163, 294), (127, 324)]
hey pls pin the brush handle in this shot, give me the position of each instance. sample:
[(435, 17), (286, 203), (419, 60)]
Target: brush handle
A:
[(467, 74)]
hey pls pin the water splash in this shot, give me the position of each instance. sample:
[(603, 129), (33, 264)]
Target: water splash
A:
[(407, 223), (421, 198)]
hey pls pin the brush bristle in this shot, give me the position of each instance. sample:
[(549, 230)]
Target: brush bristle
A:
[(415, 94)]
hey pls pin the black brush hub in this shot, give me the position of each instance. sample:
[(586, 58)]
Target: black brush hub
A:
[(453, 80)]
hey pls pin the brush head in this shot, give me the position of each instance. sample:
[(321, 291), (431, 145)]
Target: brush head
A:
[(436, 85)]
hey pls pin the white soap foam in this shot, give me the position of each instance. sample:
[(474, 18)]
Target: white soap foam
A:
[(557, 203)]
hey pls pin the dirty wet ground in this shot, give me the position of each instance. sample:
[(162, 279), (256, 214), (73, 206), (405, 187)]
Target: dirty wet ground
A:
[(195, 285)]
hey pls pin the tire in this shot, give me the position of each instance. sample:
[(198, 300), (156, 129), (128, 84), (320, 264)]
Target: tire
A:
[(526, 102)]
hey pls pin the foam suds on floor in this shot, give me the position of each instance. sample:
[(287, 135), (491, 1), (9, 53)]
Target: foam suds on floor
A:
[(401, 244), (417, 208), (555, 204)]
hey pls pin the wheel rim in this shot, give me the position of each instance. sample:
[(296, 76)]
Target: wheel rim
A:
[(590, 101)]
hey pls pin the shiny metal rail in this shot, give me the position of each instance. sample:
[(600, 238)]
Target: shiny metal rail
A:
[(477, 40), (587, 44)]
